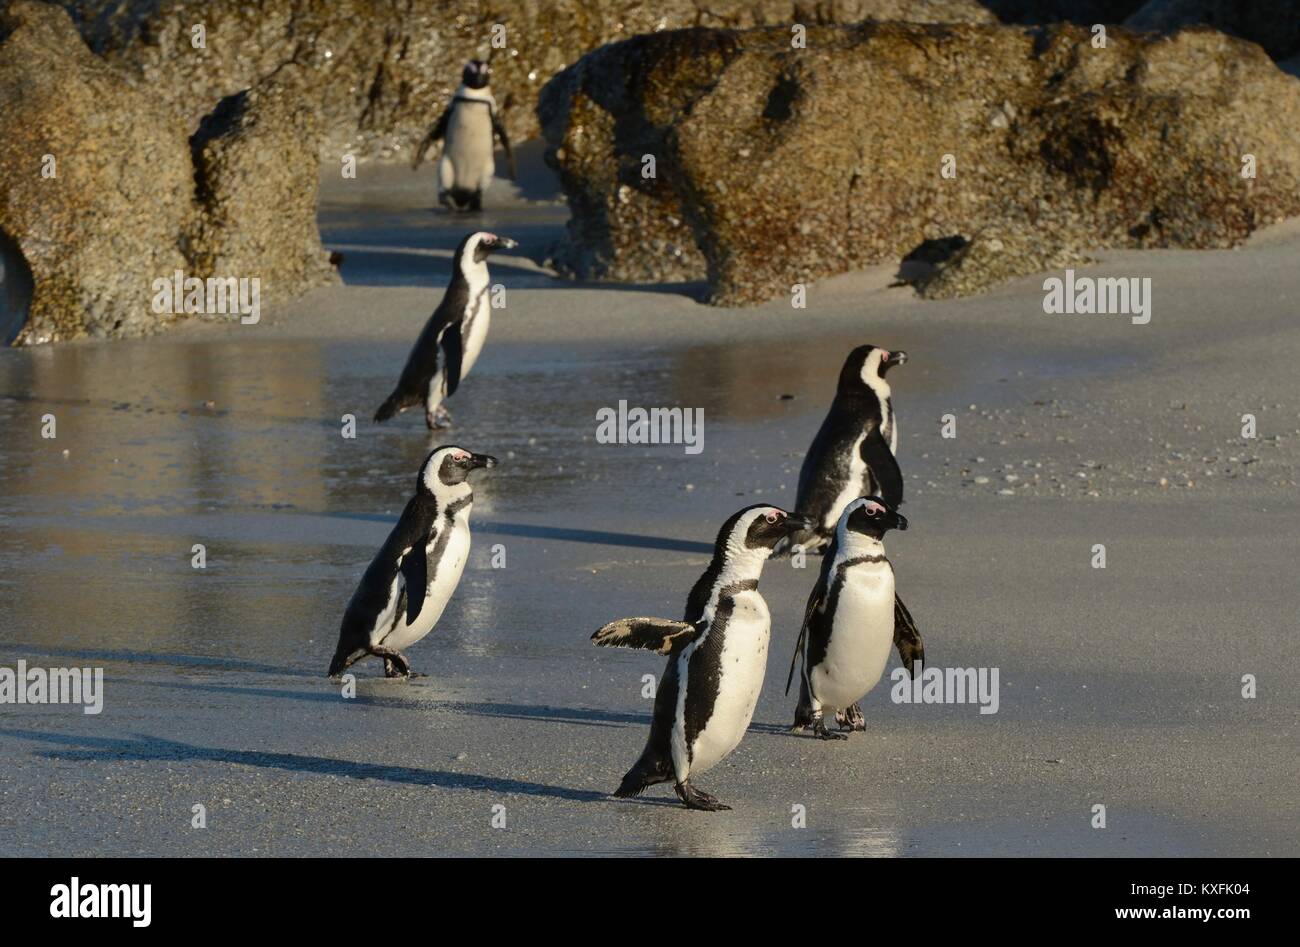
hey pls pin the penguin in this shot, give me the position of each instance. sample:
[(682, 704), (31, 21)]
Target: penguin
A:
[(451, 340), (717, 656), (468, 123), (404, 591), (853, 452), (851, 620)]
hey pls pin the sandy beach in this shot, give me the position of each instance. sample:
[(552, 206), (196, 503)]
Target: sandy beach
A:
[(1120, 687)]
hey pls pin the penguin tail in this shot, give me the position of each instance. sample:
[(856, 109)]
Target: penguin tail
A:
[(388, 408), (344, 658), (645, 772), (803, 711), (803, 716)]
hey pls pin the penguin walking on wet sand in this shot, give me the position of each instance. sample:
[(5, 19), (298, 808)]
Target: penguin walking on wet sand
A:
[(451, 340), (467, 125), (717, 656), (408, 584), (853, 453), (851, 621)]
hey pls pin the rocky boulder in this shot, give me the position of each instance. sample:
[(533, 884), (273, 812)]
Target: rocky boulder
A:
[(256, 171), (95, 183), (379, 72), (774, 166), (104, 195)]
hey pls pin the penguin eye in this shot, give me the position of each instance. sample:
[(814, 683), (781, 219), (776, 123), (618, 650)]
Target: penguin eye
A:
[(772, 516)]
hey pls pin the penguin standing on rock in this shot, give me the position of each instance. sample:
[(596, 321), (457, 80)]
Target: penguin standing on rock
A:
[(717, 656), (451, 340), (852, 619), (409, 582), (853, 453), (468, 125)]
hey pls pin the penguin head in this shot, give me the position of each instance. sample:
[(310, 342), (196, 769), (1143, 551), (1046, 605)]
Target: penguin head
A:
[(759, 528), (871, 516), (448, 467), (476, 74), (478, 246), (866, 365)]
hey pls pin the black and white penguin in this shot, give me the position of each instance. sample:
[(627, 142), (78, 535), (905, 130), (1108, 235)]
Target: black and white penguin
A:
[(852, 619), (717, 659), (853, 453), (467, 124), (409, 582), (451, 340)]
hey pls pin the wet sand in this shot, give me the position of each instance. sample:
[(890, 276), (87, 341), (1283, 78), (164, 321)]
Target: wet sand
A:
[(1119, 687)]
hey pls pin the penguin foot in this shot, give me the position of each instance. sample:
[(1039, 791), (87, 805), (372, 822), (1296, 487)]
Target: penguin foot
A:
[(395, 663), (693, 798), (851, 718), (820, 731), (441, 418)]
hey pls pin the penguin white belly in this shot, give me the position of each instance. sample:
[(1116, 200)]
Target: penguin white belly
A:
[(444, 576), (853, 486), (469, 146), (740, 680), (861, 638), (476, 330)]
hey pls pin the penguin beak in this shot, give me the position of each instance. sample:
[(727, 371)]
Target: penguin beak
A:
[(795, 523), (502, 243), (900, 521), (896, 358), (483, 460)]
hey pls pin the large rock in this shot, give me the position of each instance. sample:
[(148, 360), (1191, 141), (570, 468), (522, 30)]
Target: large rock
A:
[(101, 198), (380, 71), (256, 167), (775, 166), (97, 220)]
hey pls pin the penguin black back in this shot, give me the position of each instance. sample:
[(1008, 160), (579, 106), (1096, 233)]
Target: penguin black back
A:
[(852, 453)]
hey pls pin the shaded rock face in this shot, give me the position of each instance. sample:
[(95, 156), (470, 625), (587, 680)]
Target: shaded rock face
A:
[(96, 221), (776, 166), (1274, 24), (256, 168), (379, 72), (1081, 12), (101, 198)]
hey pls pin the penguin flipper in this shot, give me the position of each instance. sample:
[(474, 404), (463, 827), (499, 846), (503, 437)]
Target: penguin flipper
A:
[(453, 349), (907, 637), (436, 133), (415, 570), (880, 459), (816, 602), (649, 634)]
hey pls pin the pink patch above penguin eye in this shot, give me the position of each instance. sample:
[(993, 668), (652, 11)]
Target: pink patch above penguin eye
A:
[(884, 355), (772, 516), (874, 509)]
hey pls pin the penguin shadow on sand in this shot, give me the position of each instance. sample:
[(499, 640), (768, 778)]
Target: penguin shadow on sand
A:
[(598, 537), (388, 694), (147, 748), (176, 660)]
